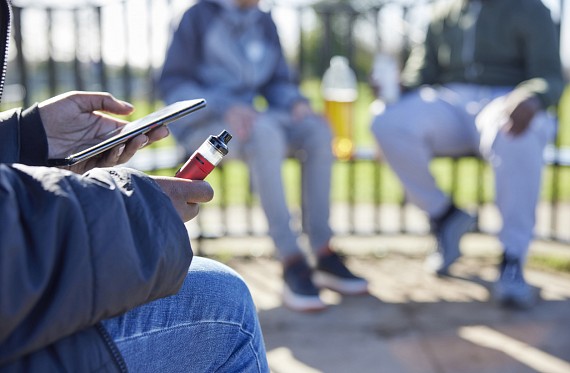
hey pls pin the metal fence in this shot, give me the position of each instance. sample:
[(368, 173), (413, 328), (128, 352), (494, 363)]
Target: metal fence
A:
[(118, 47)]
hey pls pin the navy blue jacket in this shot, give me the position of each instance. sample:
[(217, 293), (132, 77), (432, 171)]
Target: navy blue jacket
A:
[(75, 250)]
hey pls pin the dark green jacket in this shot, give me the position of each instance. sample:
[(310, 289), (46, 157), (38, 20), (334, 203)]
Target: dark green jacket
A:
[(510, 43)]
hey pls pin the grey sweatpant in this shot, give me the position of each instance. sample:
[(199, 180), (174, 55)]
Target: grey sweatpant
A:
[(274, 137), (461, 119)]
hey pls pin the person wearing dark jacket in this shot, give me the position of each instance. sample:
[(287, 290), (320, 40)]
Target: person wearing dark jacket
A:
[(94, 267), (484, 81)]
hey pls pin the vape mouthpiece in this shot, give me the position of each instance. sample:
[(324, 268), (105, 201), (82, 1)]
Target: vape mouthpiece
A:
[(220, 142), (225, 137)]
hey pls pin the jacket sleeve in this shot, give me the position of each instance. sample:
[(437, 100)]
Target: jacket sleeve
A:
[(179, 78), (280, 91), (422, 65), (78, 249), (541, 54), (23, 137)]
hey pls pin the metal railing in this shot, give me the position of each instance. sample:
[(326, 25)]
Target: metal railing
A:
[(97, 55)]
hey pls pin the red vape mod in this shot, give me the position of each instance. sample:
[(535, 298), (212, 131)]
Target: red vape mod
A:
[(208, 155)]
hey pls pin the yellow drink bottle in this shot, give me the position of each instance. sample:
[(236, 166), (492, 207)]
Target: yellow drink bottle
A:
[(339, 93)]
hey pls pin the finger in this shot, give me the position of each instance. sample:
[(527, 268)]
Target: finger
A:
[(132, 146), (108, 126), (197, 191), (84, 166), (189, 191), (247, 130), (188, 211), (157, 134), (114, 157), (93, 101), (110, 158)]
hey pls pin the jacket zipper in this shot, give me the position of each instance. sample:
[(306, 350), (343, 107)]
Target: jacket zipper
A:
[(468, 50), (119, 361), (5, 49), (113, 348)]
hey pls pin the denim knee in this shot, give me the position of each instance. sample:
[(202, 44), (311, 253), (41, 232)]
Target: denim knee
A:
[(318, 132), (266, 140), (219, 290)]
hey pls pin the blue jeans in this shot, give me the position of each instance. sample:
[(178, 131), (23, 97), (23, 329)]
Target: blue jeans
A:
[(275, 136), (211, 325)]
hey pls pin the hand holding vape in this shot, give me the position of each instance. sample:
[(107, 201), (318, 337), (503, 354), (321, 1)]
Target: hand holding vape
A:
[(208, 156)]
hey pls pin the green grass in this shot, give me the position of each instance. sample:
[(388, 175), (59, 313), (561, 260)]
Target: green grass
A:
[(358, 184), (365, 175), (550, 262), (469, 170)]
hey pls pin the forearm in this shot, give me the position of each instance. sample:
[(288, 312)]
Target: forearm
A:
[(24, 137), (75, 250)]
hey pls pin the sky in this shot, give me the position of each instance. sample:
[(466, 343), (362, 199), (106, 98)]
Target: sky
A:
[(142, 49)]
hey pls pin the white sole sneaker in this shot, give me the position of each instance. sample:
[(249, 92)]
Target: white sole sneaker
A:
[(344, 286), (302, 303)]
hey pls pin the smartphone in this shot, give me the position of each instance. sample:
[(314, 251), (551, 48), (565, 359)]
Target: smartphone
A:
[(137, 127)]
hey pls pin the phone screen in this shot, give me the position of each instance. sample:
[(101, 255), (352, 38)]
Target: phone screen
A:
[(137, 127)]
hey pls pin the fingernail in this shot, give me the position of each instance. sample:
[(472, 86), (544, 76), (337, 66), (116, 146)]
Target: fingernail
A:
[(120, 150), (127, 104), (145, 142)]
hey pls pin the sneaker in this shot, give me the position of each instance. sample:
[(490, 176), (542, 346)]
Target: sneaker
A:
[(331, 273), (448, 232), (299, 291), (511, 289)]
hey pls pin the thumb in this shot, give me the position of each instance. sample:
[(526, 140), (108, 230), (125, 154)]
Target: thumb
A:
[(93, 101), (185, 191)]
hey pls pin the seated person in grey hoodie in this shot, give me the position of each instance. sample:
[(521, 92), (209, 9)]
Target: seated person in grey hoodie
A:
[(228, 51)]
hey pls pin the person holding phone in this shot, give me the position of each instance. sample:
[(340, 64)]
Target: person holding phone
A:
[(228, 51), (94, 262)]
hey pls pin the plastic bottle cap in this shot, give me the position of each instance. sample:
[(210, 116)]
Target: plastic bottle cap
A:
[(339, 81)]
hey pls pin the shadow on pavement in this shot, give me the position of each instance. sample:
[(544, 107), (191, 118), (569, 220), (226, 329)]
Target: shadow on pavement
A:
[(414, 322)]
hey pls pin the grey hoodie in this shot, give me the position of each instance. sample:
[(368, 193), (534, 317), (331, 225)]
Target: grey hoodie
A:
[(227, 56)]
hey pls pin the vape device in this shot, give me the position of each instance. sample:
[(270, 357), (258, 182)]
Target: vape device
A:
[(208, 156)]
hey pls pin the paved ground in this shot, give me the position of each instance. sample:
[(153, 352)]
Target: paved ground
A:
[(412, 321)]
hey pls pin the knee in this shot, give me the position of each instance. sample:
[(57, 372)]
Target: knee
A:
[(219, 286), (267, 140), (318, 132), (385, 128)]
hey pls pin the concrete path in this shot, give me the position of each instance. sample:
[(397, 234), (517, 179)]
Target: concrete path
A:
[(413, 322)]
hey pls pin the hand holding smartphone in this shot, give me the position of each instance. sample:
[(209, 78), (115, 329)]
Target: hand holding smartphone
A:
[(140, 126)]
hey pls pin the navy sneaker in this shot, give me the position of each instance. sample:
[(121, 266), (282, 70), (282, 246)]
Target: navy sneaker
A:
[(331, 273), (299, 291), (511, 289), (448, 232)]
